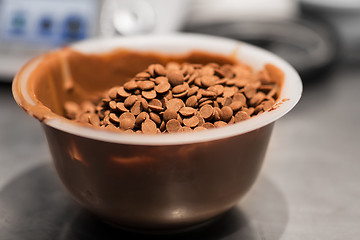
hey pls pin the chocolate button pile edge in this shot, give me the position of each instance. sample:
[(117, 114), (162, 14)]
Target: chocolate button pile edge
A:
[(182, 98)]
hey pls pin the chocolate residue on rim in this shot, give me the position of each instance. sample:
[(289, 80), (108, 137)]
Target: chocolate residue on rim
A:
[(277, 105), (67, 75)]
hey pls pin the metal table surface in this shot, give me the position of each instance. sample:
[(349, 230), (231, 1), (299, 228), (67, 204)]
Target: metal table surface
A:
[(309, 187)]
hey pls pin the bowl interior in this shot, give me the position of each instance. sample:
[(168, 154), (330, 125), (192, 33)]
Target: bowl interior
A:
[(33, 99)]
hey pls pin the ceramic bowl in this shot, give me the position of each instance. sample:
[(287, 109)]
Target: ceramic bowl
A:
[(159, 182)]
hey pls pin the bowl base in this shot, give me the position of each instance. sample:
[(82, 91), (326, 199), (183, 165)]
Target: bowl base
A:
[(178, 230)]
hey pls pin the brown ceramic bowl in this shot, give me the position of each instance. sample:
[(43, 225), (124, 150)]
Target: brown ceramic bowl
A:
[(154, 182)]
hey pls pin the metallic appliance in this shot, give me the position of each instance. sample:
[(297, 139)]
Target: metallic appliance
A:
[(30, 27)]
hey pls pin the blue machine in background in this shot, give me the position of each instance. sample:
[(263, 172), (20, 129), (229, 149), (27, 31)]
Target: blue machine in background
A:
[(52, 23), (29, 27)]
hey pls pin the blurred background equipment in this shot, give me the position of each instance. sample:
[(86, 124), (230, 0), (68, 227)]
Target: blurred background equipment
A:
[(344, 18), (310, 34), (30, 27), (128, 17), (278, 26), (304, 44)]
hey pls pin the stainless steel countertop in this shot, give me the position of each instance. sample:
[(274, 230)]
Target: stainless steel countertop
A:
[(309, 187)]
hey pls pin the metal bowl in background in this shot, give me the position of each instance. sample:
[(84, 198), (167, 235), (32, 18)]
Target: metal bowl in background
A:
[(307, 45), (344, 18)]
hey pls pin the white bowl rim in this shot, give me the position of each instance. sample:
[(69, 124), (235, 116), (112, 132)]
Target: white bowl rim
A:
[(179, 43)]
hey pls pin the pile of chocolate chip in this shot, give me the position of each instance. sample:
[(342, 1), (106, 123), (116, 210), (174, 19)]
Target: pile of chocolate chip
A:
[(180, 98)]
